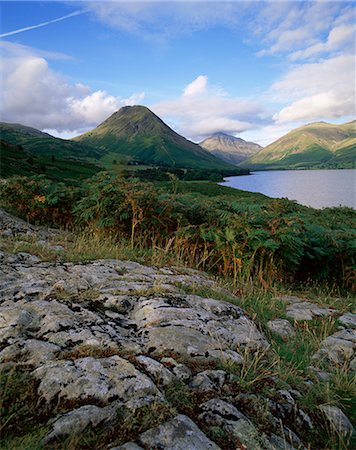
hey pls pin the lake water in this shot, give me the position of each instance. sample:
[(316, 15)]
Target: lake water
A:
[(316, 188)]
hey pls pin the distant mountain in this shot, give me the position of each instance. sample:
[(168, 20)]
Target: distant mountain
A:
[(138, 133), (229, 148), (27, 151), (318, 144)]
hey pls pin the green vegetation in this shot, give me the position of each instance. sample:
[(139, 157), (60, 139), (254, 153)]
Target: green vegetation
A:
[(25, 153), (43, 144), (209, 227), (256, 247), (317, 145), (19, 412), (136, 132)]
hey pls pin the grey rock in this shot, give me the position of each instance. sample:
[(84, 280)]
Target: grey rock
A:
[(14, 226), (209, 380), (338, 348), (128, 446), (282, 327), (104, 379), (13, 322), (74, 422), (322, 375), (7, 233), (279, 443), (182, 372), (179, 433), (219, 413), (352, 365), (33, 351), (160, 374), (307, 311), (218, 407), (286, 408), (247, 433), (292, 438), (337, 419), (303, 420), (189, 327), (348, 320)]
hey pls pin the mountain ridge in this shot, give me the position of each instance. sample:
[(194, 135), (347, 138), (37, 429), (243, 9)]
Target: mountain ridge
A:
[(229, 148), (135, 131), (308, 146)]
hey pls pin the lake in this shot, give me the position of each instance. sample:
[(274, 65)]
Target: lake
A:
[(316, 188)]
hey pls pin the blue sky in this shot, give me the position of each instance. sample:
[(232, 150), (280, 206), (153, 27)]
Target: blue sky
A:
[(252, 69)]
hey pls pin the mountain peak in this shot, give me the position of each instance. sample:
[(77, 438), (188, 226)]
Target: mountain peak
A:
[(135, 131), (229, 148)]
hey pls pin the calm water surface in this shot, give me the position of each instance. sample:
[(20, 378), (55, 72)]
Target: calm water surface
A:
[(316, 188)]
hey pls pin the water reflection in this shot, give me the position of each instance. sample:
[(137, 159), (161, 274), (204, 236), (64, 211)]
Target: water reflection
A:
[(316, 188)]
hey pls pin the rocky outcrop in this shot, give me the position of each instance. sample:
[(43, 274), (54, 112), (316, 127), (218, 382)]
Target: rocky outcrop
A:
[(103, 341), (179, 433), (112, 334)]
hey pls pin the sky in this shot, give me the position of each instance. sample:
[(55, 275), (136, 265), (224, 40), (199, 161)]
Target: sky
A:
[(248, 68)]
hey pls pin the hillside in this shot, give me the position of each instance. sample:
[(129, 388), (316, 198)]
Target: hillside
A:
[(117, 354), (314, 145), (27, 151), (138, 133), (229, 148), (43, 144)]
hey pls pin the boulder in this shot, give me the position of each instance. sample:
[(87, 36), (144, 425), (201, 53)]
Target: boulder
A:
[(337, 349), (282, 327), (179, 433), (348, 320), (101, 379), (337, 419), (74, 422)]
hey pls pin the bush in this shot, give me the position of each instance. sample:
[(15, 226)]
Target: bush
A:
[(39, 200)]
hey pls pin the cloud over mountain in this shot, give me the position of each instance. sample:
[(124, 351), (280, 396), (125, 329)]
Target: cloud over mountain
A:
[(202, 110), (36, 95)]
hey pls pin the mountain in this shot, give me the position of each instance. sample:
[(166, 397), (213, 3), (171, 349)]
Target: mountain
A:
[(27, 151), (138, 133), (317, 144), (39, 143), (229, 148)]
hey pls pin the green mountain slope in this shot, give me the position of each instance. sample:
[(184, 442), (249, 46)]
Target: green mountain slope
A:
[(27, 151), (313, 145), (43, 144), (137, 132)]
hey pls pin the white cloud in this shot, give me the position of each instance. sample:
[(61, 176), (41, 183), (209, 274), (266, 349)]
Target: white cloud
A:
[(94, 107), (314, 91), (160, 21), (203, 109), (337, 38), (197, 86), (297, 28), (323, 105), (134, 99), (35, 95)]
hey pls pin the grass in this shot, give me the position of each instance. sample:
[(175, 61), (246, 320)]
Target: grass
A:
[(284, 365), (126, 428), (31, 441), (22, 421), (288, 360)]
